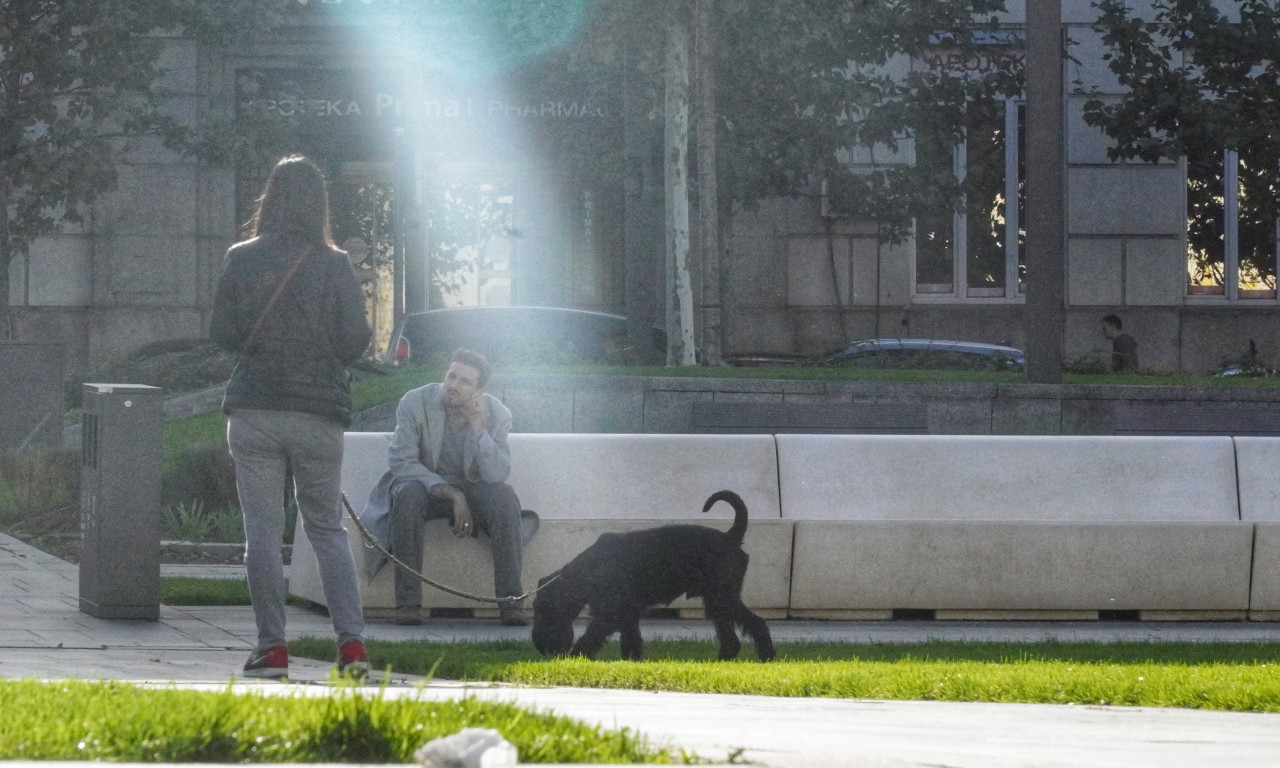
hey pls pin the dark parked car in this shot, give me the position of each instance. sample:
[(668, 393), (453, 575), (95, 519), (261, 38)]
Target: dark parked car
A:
[(928, 353), (506, 334)]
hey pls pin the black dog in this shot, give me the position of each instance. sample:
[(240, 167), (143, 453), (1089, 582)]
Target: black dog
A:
[(622, 574)]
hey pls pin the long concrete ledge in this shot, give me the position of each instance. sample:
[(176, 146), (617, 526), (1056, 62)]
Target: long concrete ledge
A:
[(863, 525), (1007, 477)]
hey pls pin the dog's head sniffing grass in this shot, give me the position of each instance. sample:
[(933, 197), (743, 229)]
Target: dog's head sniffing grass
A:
[(554, 610)]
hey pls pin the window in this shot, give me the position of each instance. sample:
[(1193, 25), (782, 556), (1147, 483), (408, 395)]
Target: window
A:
[(472, 251), (1232, 225), (981, 246)]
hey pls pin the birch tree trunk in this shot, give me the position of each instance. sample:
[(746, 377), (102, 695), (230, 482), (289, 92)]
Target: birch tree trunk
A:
[(680, 346), (708, 208)]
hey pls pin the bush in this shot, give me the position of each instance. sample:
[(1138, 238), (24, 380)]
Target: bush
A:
[(198, 493), (195, 522), (8, 503), (37, 482), (1090, 363), (200, 473)]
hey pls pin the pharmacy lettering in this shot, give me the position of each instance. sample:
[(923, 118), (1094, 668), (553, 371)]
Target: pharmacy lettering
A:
[(366, 97), (987, 51)]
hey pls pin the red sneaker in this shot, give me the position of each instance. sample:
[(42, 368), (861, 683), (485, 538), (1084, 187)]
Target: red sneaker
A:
[(271, 663), (352, 661)]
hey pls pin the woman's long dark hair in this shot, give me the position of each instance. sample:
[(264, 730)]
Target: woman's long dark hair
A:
[(294, 199)]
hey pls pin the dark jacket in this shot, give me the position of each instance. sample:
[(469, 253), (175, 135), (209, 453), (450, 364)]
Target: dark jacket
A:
[(298, 362), (1124, 353)]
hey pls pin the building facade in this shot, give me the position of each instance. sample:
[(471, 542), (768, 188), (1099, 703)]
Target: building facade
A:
[(470, 176)]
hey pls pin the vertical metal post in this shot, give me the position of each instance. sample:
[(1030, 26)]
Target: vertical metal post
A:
[(399, 232), (960, 223), (1012, 220), (1231, 224), (410, 214), (1046, 238)]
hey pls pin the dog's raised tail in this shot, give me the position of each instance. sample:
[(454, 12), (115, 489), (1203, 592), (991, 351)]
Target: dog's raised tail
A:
[(739, 527)]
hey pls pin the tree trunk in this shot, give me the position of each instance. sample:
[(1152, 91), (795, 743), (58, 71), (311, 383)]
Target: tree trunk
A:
[(644, 254), (708, 208), (680, 346), (6, 256)]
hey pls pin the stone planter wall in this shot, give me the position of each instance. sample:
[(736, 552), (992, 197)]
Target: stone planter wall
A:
[(552, 403)]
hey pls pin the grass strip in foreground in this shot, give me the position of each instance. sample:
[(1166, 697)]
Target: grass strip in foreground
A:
[(119, 722), (1223, 676)]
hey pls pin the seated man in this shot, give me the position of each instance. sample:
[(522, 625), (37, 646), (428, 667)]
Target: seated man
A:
[(1124, 349), (449, 458)]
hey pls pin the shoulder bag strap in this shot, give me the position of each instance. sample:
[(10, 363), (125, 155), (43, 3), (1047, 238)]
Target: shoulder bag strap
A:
[(275, 296)]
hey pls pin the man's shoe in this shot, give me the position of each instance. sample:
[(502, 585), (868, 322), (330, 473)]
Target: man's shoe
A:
[(271, 663), (512, 616), (352, 661), (408, 615)]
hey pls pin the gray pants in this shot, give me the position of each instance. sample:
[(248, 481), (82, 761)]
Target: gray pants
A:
[(495, 510), (261, 443)]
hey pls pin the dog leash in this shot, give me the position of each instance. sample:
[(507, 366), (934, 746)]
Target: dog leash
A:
[(371, 541)]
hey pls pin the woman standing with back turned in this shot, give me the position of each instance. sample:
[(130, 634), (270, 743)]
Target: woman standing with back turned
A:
[(289, 304)]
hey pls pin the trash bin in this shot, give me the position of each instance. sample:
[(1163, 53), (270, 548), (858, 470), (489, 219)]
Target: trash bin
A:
[(120, 501)]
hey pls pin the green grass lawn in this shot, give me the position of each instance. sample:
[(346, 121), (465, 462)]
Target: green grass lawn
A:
[(187, 590), (1225, 676), (120, 722)]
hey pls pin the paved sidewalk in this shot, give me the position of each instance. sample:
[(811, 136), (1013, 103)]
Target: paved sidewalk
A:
[(44, 635)]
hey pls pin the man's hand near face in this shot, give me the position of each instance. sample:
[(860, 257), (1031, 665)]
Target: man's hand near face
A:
[(473, 413)]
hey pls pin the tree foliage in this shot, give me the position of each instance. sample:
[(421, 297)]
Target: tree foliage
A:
[(802, 82), (80, 80), (1197, 81)]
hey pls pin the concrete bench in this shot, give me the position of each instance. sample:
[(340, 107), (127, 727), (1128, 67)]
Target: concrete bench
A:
[(583, 485), (809, 418), (1015, 526), (869, 526)]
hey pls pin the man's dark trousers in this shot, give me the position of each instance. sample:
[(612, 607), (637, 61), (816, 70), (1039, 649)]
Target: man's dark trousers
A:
[(495, 510)]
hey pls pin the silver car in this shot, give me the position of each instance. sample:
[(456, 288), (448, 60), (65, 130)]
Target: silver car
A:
[(928, 353)]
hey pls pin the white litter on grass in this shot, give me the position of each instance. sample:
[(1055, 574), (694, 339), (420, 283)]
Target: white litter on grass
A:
[(468, 748)]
